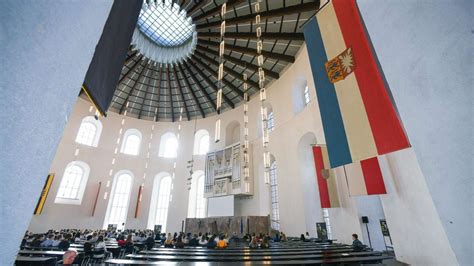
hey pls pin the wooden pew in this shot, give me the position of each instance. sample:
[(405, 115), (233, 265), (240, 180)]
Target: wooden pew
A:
[(245, 257), (262, 252), (43, 261), (368, 259)]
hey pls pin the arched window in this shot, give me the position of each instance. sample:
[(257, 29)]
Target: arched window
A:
[(119, 199), (274, 196), (168, 146), (200, 200), (73, 183), (89, 131), (163, 202), (131, 142), (201, 142), (306, 95), (197, 202)]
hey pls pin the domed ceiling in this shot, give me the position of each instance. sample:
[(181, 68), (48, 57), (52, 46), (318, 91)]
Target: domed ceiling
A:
[(173, 59)]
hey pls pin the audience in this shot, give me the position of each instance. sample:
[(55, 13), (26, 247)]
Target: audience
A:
[(356, 244)]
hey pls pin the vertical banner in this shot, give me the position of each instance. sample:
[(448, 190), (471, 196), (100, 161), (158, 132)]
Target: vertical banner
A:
[(110, 53), (358, 113), (44, 194), (139, 201), (96, 199), (365, 178), (326, 178)]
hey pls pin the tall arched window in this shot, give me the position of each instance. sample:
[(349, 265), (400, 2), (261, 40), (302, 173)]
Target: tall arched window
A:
[(197, 202), (163, 204), (119, 199), (89, 132), (274, 196), (200, 200), (73, 183), (201, 142), (168, 146), (306, 95), (131, 142)]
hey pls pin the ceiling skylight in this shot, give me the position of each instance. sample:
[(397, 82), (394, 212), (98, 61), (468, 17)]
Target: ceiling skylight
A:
[(164, 24)]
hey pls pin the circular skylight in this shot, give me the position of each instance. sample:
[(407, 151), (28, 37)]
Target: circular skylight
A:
[(164, 24)]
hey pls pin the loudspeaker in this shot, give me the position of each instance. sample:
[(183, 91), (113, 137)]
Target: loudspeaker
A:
[(365, 219)]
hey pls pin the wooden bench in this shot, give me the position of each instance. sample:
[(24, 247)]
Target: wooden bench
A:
[(268, 252), (368, 259), (245, 257), (44, 261)]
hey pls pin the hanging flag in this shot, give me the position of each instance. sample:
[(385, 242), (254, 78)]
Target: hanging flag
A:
[(365, 178), (326, 178), (359, 116), (107, 63)]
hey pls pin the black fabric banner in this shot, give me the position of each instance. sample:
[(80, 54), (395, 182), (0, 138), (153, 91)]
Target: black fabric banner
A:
[(110, 53)]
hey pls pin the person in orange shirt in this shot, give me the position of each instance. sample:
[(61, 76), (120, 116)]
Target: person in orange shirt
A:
[(222, 243)]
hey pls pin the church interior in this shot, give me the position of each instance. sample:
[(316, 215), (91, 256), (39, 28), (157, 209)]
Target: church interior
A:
[(236, 132)]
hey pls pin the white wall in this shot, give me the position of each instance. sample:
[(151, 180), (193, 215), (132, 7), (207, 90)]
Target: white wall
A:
[(425, 49), (46, 49)]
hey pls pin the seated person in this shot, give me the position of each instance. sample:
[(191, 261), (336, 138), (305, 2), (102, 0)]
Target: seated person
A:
[(150, 241), (179, 242), (253, 243), (77, 238), (169, 241), (36, 241), (222, 242), (194, 242), (265, 242), (129, 246), (48, 242), (277, 237), (64, 243), (356, 244), (100, 244), (203, 240), (69, 257), (302, 238), (212, 242), (121, 241), (88, 246), (283, 237)]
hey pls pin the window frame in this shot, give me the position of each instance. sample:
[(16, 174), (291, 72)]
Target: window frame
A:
[(274, 199), (162, 152), (82, 184), (160, 210), (98, 131), (112, 196), (129, 133), (198, 137)]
